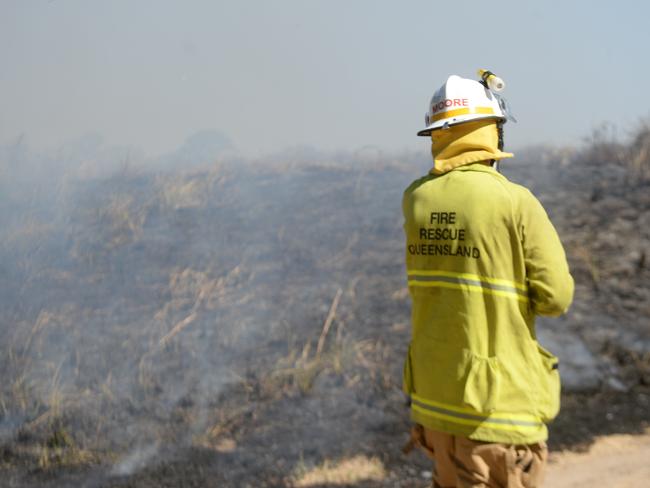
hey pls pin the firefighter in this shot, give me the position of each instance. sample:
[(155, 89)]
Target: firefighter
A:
[(482, 260)]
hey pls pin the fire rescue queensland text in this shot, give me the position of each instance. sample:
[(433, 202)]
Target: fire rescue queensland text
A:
[(451, 240)]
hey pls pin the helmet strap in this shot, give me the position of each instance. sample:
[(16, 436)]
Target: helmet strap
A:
[(495, 162), (500, 132)]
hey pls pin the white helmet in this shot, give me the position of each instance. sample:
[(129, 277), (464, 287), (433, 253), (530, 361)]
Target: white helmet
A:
[(461, 100)]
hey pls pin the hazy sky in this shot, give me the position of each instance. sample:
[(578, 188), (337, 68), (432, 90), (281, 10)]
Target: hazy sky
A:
[(332, 74)]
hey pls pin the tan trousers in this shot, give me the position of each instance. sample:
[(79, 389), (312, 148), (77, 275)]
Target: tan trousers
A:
[(463, 463)]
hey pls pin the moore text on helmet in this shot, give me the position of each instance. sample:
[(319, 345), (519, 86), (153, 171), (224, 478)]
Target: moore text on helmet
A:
[(448, 102)]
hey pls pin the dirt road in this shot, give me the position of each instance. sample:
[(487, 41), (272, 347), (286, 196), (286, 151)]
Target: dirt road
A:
[(617, 461)]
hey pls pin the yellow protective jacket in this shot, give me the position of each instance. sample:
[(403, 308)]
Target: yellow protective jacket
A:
[(482, 260)]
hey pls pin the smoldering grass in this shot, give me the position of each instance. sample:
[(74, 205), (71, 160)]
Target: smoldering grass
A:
[(61, 450), (136, 459), (173, 314), (604, 146), (92, 369), (344, 472), (639, 152)]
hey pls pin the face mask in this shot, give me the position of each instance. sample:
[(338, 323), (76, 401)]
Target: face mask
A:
[(466, 143)]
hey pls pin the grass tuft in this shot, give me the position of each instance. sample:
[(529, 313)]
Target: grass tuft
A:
[(345, 472)]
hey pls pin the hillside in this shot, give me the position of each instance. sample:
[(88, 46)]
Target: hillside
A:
[(241, 323)]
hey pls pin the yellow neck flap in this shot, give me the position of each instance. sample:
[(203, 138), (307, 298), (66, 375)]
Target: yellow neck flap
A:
[(464, 144)]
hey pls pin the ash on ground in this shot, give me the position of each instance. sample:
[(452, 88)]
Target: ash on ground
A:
[(243, 324)]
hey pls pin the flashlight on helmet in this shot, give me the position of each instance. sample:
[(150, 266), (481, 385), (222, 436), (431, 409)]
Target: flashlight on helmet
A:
[(492, 81)]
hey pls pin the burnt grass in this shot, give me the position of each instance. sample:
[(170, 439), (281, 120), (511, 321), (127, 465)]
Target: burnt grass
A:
[(238, 324)]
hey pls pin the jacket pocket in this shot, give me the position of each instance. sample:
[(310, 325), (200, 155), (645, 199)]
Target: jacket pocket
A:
[(407, 374), (483, 383), (548, 384)]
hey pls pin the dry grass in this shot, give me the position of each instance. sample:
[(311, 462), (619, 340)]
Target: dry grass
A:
[(588, 259), (190, 190), (344, 472), (124, 219), (639, 152), (147, 329), (60, 450), (605, 147)]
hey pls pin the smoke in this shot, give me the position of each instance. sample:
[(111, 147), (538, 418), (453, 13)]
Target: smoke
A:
[(139, 297), (99, 265), (134, 460), (253, 312)]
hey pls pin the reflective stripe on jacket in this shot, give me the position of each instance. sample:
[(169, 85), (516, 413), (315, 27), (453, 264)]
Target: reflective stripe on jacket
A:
[(482, 260)]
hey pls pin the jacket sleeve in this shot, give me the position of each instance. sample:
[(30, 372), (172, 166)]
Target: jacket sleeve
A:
[(550, 284)]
